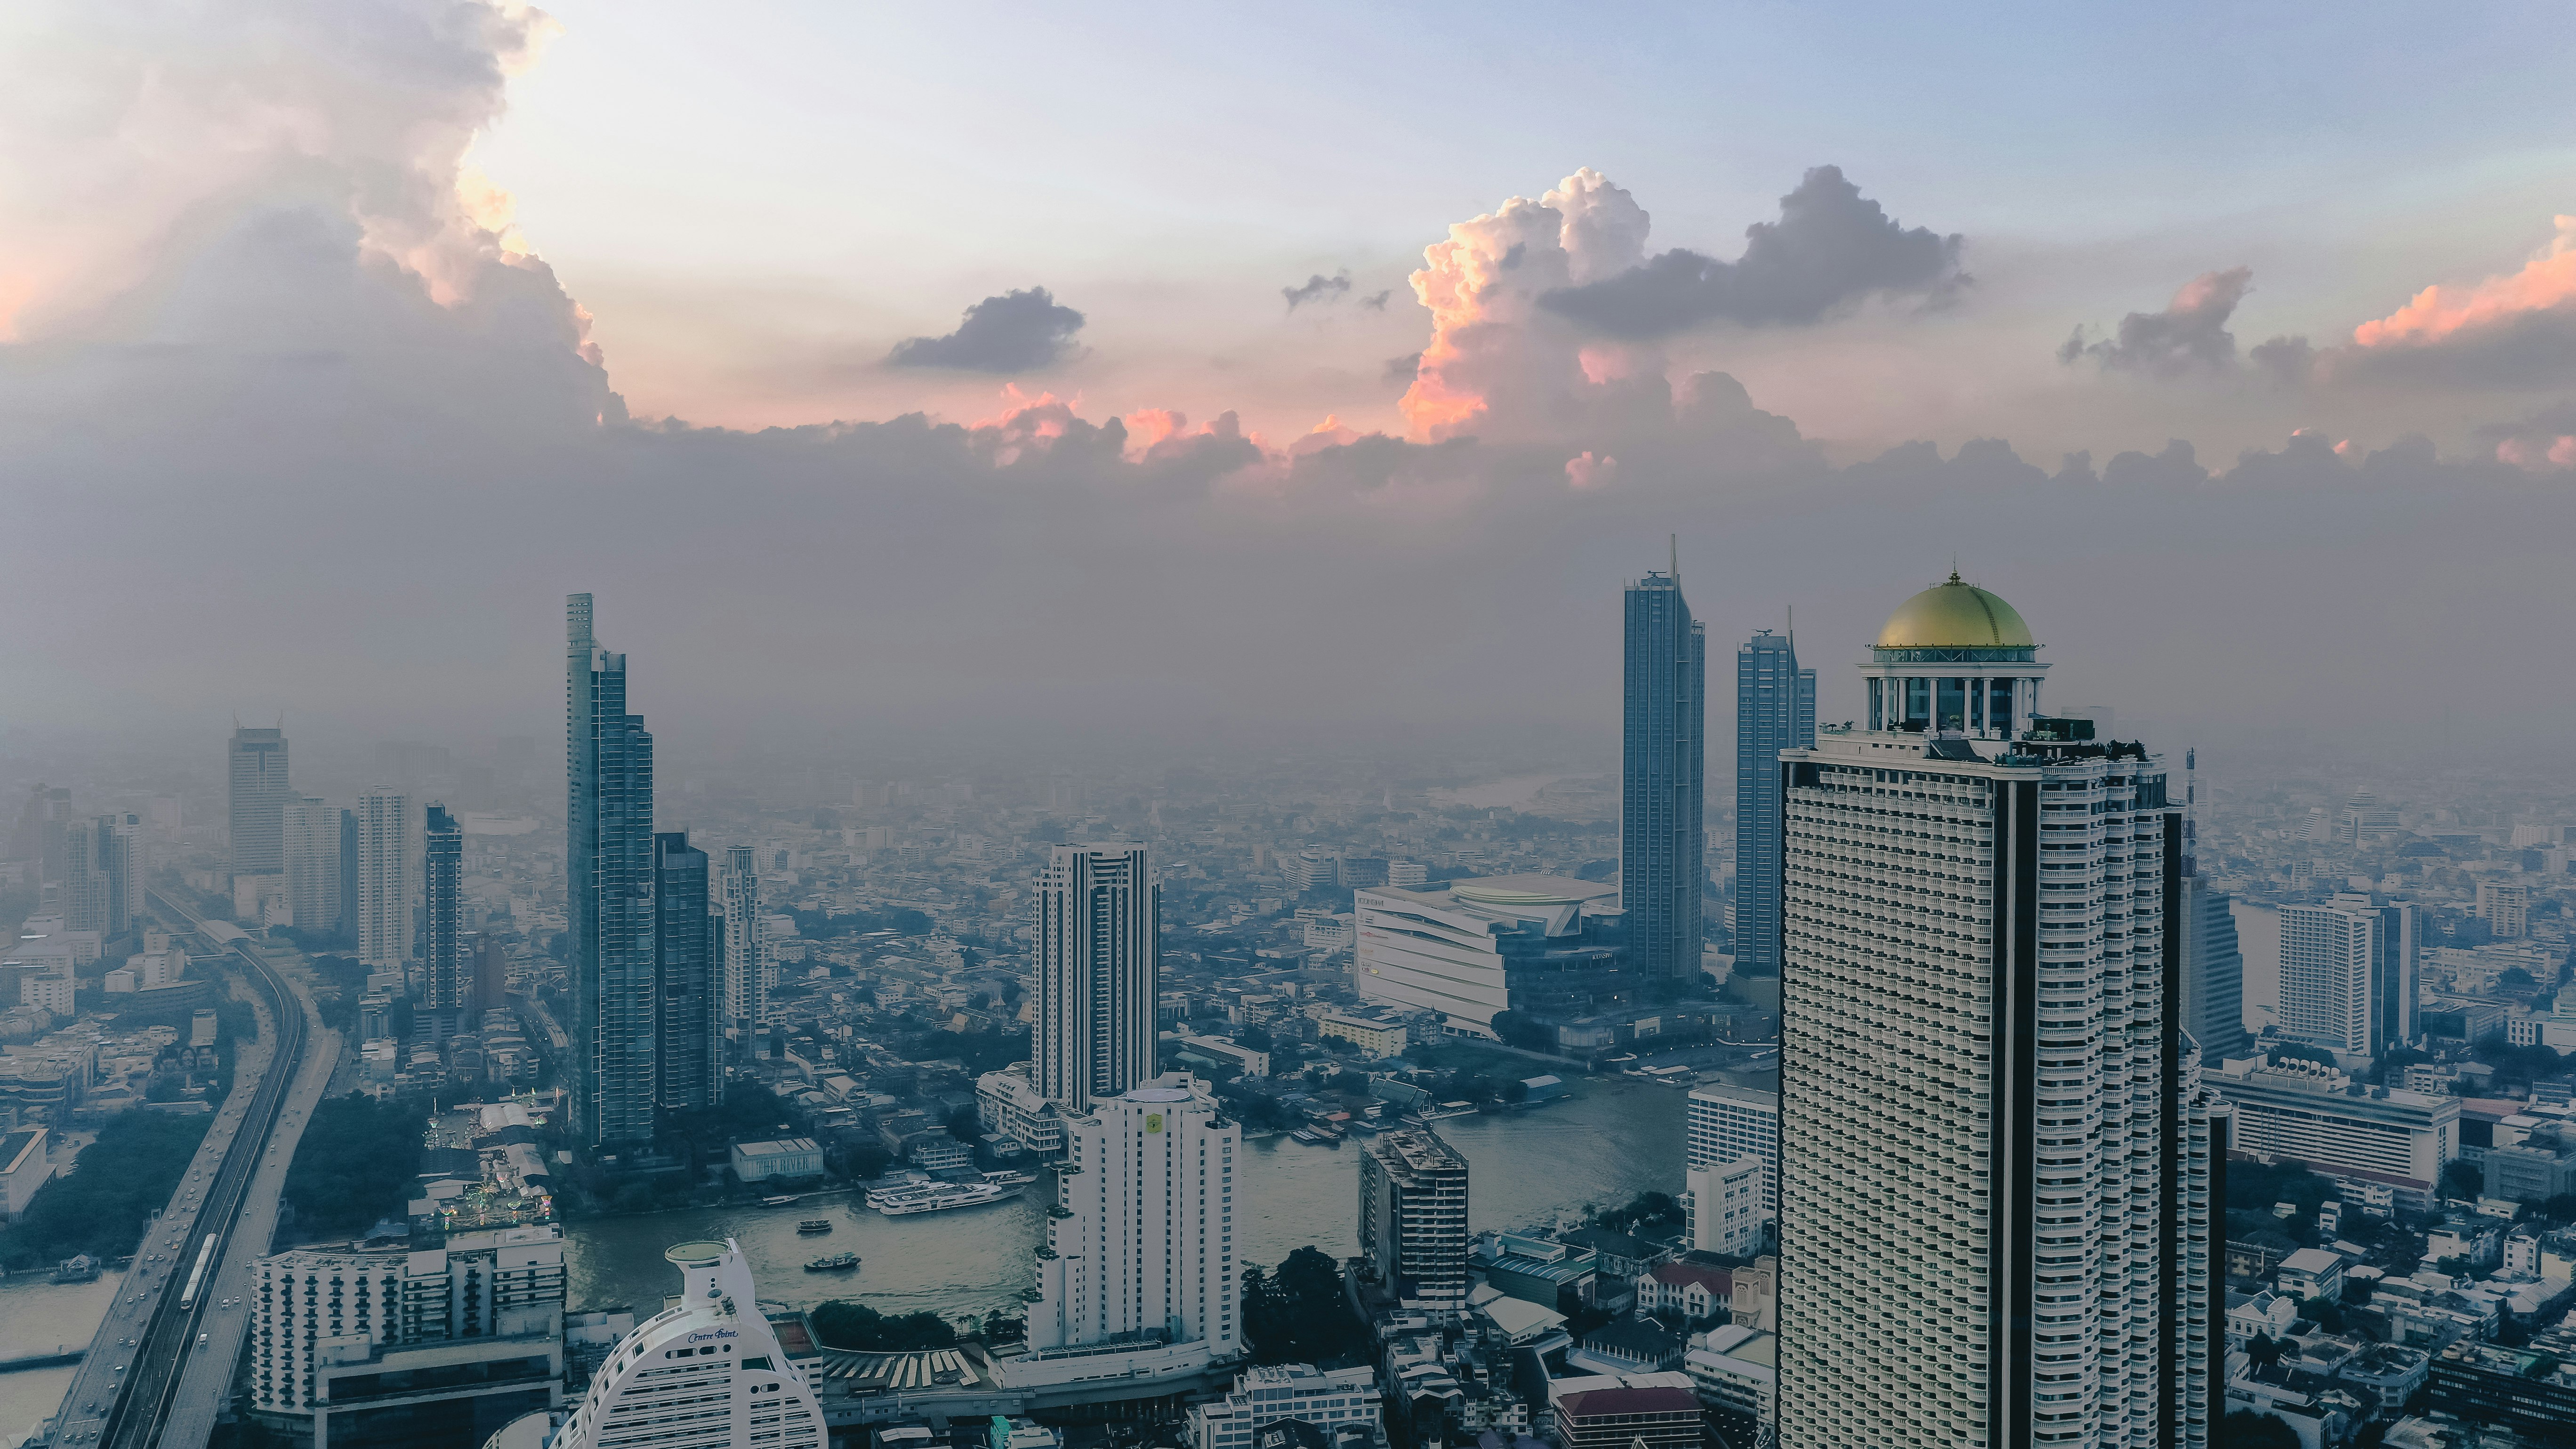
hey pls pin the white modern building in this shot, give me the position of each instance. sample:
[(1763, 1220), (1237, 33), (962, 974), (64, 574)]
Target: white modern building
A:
[(1983, 1085), (1725, 1205), (2319, 1116), (705, 1373), (787, 1157), (1099, 971), (747, 970), (2348, 974), (1137, 1276), (1473, 949), (1007, 1104), (1325, 1398), (1729, 1123), (333, 1328), (386, 880)]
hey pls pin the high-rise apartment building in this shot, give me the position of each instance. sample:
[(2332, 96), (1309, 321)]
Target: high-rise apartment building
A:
[(349, 876), (385, 886), (691, 1061), (1662, 778), (2212, 972), (442, 911), (1775, 710), (1994, 1211), (1730, 1123), (256, 768), (2505, 905), (1099, 940), (311, 832), (1141, 1249), (1413, 1218), (746, 957), (2348, 974), (96, 874), (608, 877)]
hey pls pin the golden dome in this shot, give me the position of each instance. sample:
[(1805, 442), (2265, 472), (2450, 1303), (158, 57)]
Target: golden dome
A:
[(1954, 615)]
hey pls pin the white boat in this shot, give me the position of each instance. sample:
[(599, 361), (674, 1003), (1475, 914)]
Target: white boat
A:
[(1010, 1179), (944, 1196)]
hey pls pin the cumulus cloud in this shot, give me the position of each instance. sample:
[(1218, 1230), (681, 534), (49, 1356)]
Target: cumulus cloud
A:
[(2189, 335), (1830, 248), (2508, 331), (1317, 288), (1585, 471), (1015, 332)]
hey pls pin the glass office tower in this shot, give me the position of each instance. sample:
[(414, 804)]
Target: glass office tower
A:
[(684, 940), (1662, 774), (608, 879), (1775, 710)]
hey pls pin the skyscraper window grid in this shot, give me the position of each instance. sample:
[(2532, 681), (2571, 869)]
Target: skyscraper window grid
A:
[(1662, 777), (1775, 710)]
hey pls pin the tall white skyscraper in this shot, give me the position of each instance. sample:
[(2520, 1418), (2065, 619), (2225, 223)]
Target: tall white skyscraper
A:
[(745, 985), (1099, 969), (2348, 974), (1143, 1249), (1994, 1216), (1730, 1123), (385, 879), (312, 833)]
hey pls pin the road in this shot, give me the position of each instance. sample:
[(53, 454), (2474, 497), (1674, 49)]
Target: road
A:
[(149, 1380)]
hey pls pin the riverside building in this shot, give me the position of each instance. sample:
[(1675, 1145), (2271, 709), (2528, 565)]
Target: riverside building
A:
[(1099, 939), (1548, 946), (705, 1373), (1413, 1219), (1730, 1123), (1137, 1276), (1995, 1220)]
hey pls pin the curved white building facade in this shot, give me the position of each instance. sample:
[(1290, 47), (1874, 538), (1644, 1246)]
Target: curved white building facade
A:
[(707, 1373)]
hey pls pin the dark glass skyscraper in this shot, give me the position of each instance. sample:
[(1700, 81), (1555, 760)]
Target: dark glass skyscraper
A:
[(1775, 710), (255, 766), (684, 944), (1663, 771), (608, 879), (442, 914)]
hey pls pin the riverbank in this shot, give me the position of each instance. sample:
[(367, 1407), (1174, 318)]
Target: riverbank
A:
[(37, 1317)]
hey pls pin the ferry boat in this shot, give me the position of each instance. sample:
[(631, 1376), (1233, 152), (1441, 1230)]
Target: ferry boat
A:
[(1011, 1179), (1447, 1110), (837, 1263), (940, 1197), (1306, 1134), (812, 1226), (776, 1201), (884, 1193)]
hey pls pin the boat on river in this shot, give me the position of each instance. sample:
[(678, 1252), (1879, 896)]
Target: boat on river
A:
[(940, 1197), (836, 1263), (813, 1226)]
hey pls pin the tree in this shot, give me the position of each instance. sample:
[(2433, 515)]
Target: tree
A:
[(2263, 1350), (2245, 1429), (2325, 1313), (857, 1327), (1301, 1314), (2463, 1179), (965, 1124), (1255, 1038)]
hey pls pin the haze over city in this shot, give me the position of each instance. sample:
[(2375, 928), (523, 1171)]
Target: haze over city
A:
[(1333, 727)]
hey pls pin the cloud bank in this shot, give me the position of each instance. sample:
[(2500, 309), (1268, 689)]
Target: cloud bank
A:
[(2189, 335)]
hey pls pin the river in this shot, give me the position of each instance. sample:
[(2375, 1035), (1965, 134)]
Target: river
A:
[(1618, 1139), (35, 1317)]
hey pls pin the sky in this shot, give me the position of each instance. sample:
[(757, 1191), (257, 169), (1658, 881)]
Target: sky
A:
[(970, 372)]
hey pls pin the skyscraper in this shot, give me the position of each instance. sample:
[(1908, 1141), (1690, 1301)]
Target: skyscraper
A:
[(256, 768), (384, 880), (1413, 1218), (93, 890), (349, 877), (1729, 1123), (2212, 972), (708, 1373), (1662, 778), (2348, 974), (608, 878), (442, 916), (690, 1061), (311, 832), (1142, 1249), (1775, 710), (1994, 1213), (1099, 971), (746, 962)]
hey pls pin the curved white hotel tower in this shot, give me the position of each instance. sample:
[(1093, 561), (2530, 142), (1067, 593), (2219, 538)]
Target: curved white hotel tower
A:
[(1995, 1151), (706, 1373)]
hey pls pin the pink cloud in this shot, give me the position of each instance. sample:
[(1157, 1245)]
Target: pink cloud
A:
[(1586, 472), (2546, 283)]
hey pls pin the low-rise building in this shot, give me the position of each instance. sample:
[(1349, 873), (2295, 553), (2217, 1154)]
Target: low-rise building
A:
[(1658, 1410), (1247, 1062), (1735, 1370), (1691, 1291), (1375, 1036), (2319, 1117), (1327, 1399), (785, 1157), (1009, 1105), (2528, 1390), (24, 1167), (2312, 1273), (1724, 1203)]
